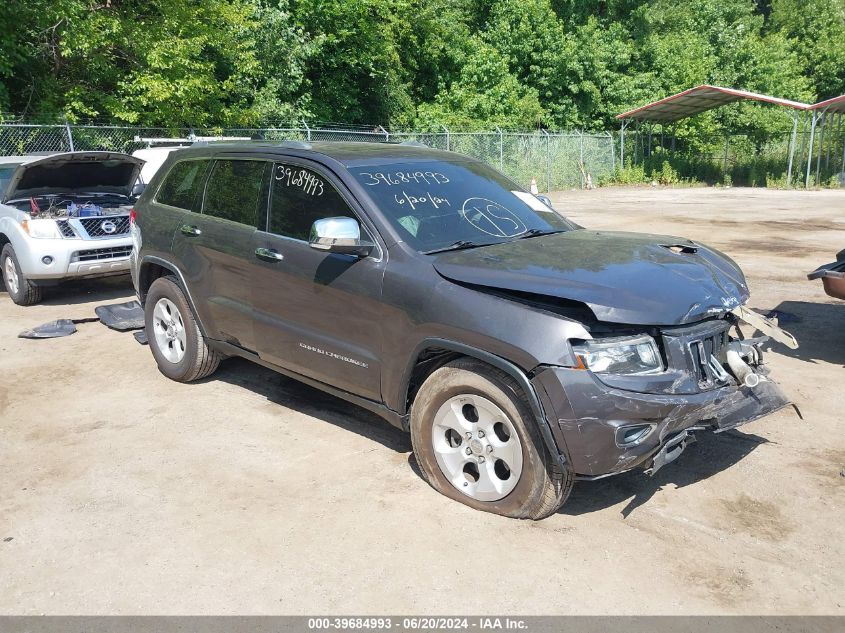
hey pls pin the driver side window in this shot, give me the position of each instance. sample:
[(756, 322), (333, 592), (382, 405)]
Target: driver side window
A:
[(301, 196)]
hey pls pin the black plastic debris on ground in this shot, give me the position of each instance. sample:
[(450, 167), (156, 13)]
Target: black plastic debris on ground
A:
[(141, 336), (54, 329), (122, 316)]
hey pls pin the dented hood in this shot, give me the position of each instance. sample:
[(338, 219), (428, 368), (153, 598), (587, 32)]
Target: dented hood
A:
[(628, 278), (74, 173)]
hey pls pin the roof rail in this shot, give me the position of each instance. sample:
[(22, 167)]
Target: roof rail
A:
[(295, 144)]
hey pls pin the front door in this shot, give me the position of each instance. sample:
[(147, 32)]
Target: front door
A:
[(316, 313), (215, 248)]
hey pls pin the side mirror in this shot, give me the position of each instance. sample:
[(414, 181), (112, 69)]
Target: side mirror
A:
[(138, 189), (545, 200), (339, 235)]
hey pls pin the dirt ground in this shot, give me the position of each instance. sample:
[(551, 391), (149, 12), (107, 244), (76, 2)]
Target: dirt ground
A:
[(122, 492)]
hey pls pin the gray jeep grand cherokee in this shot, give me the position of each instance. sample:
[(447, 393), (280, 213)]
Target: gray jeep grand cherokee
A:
[(520, 350)]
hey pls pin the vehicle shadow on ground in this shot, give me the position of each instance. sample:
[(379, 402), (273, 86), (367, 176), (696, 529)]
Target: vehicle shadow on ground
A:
[(712, 453), (818, 328), (307, 400), (70, 293)]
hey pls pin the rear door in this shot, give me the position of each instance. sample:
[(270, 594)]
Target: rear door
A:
[(317, 313), (215, 248)]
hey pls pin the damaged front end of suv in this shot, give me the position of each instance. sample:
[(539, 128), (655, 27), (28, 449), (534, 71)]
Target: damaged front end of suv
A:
[(661, 354)]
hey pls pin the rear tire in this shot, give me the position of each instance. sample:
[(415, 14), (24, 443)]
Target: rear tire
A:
[(178, 346), (21, 290), (476, 441)]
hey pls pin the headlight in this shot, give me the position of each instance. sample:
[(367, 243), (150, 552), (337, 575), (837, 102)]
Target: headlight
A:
[(621, 355), (41, 228)]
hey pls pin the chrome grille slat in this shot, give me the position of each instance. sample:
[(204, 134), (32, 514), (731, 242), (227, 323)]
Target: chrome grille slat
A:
[(99, 254), (65, 228)]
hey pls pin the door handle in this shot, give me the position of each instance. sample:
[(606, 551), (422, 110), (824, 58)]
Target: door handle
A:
[(189, 230), (269, 254)]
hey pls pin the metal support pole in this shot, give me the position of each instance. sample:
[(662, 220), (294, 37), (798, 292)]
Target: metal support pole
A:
[(622, 144), (548, 162), (791, 149), (673, 139), (821, 145), (448, 140), (810, 151), (842, 167), (501, 149), (727, 146), (386, 134), (583, 168), (69, 135), (307, 130), (612, 152)]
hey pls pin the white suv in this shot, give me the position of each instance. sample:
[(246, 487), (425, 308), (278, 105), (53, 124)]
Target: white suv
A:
[(64, 216)]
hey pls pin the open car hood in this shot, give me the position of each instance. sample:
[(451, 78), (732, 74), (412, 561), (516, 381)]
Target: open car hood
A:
[(74, 173), (629, 278)]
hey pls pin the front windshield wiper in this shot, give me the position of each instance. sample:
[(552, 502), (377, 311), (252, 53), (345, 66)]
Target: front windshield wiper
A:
[(456, 246), (536, 232)]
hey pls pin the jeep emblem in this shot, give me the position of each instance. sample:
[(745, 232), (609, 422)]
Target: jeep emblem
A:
[(108, 226)]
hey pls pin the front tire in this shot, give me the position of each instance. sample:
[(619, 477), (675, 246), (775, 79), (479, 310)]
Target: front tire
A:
[(21, 290), (476, 441), (174, 336)]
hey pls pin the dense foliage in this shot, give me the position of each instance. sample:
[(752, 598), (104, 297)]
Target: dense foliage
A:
[(555, 64)]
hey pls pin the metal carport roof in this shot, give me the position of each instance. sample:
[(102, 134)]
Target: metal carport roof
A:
[(699, 99), (837, 104)]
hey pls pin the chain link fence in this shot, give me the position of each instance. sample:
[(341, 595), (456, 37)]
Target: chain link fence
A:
[(553, 160)]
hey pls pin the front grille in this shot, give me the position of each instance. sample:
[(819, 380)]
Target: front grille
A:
[(97, 254), (65, 228), (702, 349), (114, 225)]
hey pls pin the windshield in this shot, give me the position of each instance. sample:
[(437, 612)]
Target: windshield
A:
[(437, 205)]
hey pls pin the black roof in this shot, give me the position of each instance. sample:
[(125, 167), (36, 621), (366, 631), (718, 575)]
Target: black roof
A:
[(348, 153)]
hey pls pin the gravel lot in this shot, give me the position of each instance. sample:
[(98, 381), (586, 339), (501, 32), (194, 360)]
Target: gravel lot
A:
[(122, 492)]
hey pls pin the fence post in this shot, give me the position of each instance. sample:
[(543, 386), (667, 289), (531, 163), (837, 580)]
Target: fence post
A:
[(810, 151), (386, 134), (791, 150), (725, 167), (548, 162), (583, 167), (69, 135), (448, 140), (307, 130), (501, 149), (612, 153)]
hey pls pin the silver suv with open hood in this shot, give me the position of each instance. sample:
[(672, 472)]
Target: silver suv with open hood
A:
[(64, 216)]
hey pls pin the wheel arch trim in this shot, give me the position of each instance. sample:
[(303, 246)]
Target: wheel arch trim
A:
[(499, 363), (152, 259)]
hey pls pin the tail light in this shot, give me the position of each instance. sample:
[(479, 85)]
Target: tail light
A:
[(132, 216)]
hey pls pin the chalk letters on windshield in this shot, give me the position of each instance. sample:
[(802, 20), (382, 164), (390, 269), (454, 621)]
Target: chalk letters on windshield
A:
[(389, 179)]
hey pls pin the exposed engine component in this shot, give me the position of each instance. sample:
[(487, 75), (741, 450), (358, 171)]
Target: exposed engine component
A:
[(76, 207)]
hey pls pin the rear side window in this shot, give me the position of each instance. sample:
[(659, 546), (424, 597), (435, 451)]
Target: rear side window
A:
[(301, 196), (234, 190), (182, 184)]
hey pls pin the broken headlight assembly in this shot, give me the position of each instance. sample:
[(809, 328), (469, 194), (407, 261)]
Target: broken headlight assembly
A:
[(41, 228), (620, 355)]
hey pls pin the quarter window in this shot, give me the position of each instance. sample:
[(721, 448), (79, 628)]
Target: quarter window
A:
[(234, 190), (182, 184), (300, 197)]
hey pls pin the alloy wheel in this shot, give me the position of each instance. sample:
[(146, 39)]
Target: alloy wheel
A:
[(169, 330), (477, 447)]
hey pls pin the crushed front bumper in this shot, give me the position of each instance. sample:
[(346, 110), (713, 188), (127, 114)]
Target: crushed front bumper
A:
[(587, 416)]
